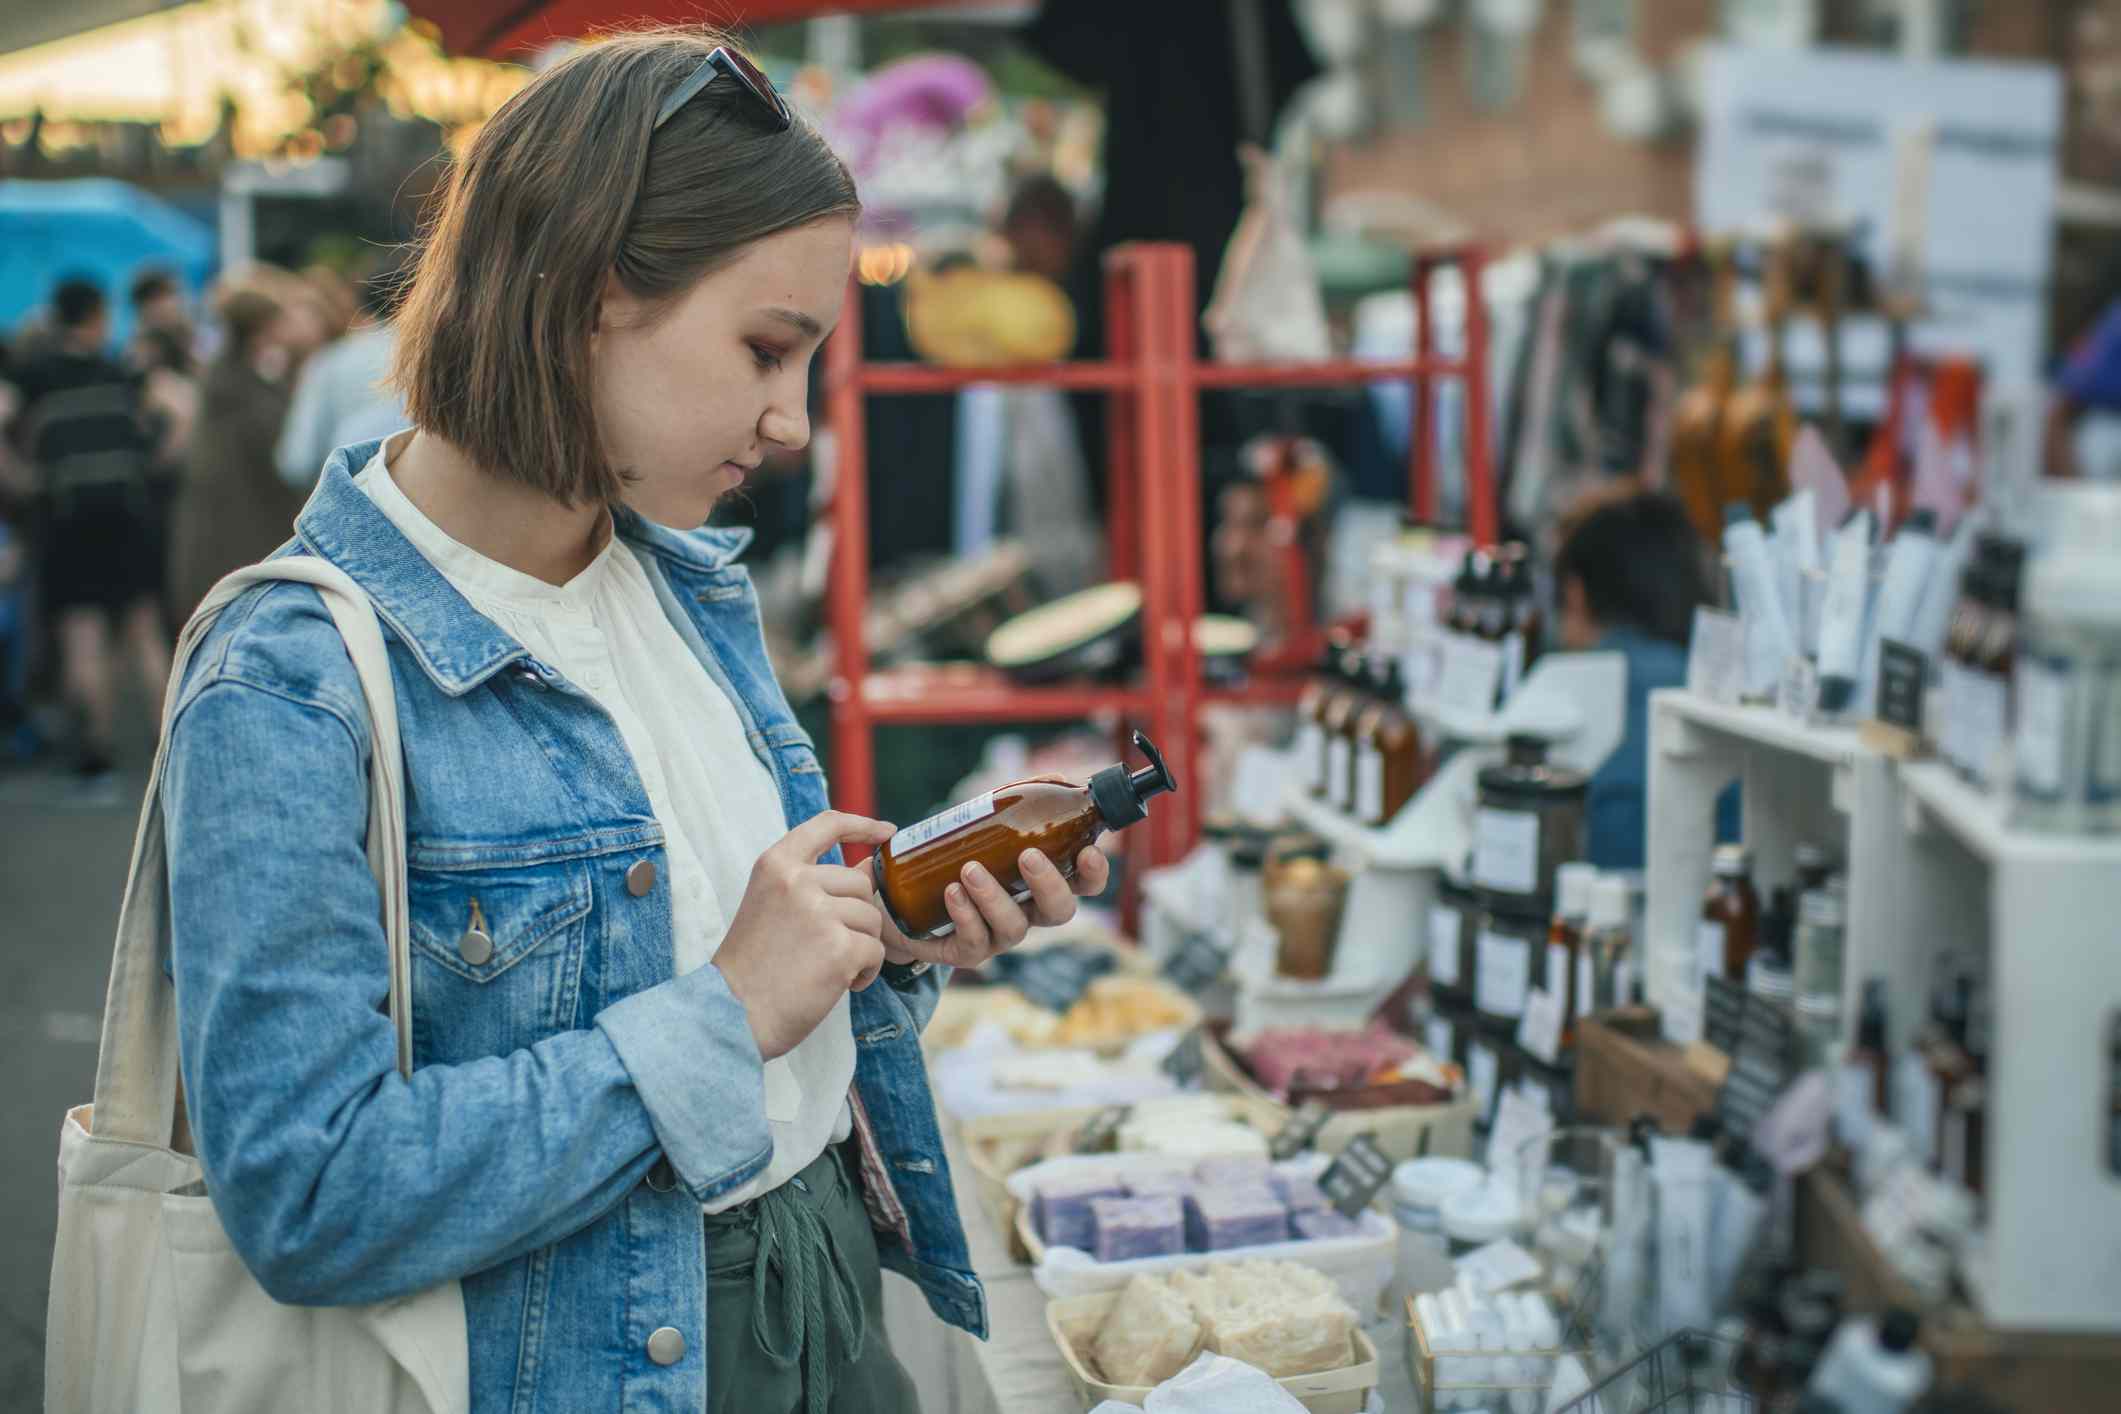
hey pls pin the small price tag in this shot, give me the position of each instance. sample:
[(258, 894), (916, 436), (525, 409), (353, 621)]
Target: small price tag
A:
[(1356, 1174), (1097, 1136), (1301, 1132), (1539, 1030), (1798, 693), (1470, 675), (1715, 663), (1184, 1062), (1903, 676), (1197, 962)]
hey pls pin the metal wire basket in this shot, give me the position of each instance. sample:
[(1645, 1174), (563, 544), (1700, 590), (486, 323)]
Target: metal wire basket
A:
[(1688, 1372)]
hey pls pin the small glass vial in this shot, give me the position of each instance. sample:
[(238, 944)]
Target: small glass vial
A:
[(1054, 816), (1730, 917)]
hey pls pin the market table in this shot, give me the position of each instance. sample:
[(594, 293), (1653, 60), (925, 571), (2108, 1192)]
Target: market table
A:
[(1018, 1368)]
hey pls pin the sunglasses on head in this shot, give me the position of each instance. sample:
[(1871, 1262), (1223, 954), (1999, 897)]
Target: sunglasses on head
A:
[(729, 63)]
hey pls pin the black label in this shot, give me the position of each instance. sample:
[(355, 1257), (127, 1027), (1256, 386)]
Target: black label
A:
[(1902, 673), (1056, 977), (1198, 962), (1725, 1014), (1358, 1171), (1301, 1132), (1096, 1136), (1760, 1065), (1184, 1063)]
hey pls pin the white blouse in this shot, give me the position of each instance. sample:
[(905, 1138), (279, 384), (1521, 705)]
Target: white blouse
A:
[(605, 631)]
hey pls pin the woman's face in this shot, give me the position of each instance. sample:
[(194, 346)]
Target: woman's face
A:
[(690, 403)]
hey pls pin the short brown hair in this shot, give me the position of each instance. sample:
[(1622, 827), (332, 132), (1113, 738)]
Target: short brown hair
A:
[(562, 186)]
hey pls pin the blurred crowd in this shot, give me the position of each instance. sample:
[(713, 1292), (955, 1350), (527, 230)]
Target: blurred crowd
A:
[(135, 475)]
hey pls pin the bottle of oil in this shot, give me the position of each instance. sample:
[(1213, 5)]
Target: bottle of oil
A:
[(1056, 817)]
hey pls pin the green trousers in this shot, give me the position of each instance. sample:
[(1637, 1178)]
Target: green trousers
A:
[(795, 1321)]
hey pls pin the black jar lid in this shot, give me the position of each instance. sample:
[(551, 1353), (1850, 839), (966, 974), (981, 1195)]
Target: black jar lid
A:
[(1527, 777)]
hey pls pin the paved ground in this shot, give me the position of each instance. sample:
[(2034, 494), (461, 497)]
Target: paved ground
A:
[(62, 864)]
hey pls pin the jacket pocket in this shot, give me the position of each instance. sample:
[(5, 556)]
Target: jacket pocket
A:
[(497, 956)]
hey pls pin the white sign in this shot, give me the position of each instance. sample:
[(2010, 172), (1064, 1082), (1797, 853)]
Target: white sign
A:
[(1539, 1032), (1715, 659)]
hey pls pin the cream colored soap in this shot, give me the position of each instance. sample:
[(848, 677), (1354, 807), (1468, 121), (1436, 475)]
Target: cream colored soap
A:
[(1149, 1335)]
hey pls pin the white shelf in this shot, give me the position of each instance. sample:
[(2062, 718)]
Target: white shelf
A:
[(1979, 820), (1766, 726)]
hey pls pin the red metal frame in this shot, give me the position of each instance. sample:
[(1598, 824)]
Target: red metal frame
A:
[(1154, 527)]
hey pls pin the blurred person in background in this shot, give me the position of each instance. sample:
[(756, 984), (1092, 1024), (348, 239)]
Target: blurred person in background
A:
[(82, 429), (1628, 577), (234, 509), (159, 309), (341, 395)]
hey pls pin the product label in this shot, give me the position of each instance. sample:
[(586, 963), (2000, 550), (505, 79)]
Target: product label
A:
[(1540, 1030), (2043, 718), (1311, 753), (1369, 785), (1505, 975), (936, 826), (1443, 945), (1438, 1035), (1506, 850), (1715, 663), (1483, 1073), (1471, 670), (1708, 952), (1987, 699), (1798, 692), (1338, 751)]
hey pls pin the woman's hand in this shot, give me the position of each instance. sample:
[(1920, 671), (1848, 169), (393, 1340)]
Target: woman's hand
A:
[(806, 933), (989, 921)]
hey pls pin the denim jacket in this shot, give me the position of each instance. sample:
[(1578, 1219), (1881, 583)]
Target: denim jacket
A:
[(572, 1103)]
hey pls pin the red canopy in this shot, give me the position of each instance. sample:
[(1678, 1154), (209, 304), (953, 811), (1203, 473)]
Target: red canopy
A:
[(516, 29)]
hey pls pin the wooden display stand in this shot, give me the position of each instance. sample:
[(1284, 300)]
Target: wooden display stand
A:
[(1623, 1069)]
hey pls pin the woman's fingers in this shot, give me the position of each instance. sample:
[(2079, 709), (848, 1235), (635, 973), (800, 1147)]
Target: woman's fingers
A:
[(1052, 901)]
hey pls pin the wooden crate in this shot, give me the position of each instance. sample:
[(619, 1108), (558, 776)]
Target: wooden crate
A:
[(1623, 1069), (1074, 1322)]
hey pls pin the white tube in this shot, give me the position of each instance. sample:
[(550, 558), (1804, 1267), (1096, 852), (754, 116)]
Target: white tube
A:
[(1796, 523), (1681, 1168), (1908, 563), (1740, 1209), (1841, 622), (1934, 615), (1768, 641)]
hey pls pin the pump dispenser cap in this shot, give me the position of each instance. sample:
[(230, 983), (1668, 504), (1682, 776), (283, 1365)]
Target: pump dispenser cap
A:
[(1898, 1330), (1122, 797)]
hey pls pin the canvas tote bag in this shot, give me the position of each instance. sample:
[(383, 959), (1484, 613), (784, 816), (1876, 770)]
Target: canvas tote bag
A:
[(152, 1311)]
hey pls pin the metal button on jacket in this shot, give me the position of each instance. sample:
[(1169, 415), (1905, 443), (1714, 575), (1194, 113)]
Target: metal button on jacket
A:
[(641, 877), (666, 1346), (475, 947), (662, 1177)]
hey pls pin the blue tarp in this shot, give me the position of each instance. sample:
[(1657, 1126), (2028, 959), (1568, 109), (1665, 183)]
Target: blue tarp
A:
[(99, 227)]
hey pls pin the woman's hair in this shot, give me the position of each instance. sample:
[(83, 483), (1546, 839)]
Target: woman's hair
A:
[(562, 187), (1641, 564)]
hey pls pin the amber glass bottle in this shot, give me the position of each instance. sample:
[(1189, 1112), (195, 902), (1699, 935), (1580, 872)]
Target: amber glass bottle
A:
[(1338, 717), (1387, 754), (1730, 916), (1055, 817), (1310, 722)]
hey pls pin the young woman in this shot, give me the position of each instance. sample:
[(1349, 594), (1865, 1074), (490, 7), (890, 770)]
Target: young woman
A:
[(668, 1113)]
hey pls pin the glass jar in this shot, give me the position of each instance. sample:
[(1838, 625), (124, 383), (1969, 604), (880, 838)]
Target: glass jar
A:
[(1529, 822), (1730, 917), (1454, 923), (1510, 959)]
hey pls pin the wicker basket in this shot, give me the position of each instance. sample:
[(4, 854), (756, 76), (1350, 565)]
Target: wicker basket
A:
[(1074, 1322)]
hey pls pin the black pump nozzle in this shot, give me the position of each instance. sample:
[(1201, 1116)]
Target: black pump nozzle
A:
[(1122, 796)]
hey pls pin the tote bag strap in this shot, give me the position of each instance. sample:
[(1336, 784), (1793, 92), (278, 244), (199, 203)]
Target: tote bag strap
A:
[(136, 1064)]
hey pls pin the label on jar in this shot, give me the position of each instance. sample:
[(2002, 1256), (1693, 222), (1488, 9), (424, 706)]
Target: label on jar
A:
[(1338, 750), (936, 826), (1539, 1033), (1708, 952), (1506, 850), (1483, 1071), (1444, 927), (1369, 785), (2043, 715), (1438, 1036), (1505, 974), (1311, 752)]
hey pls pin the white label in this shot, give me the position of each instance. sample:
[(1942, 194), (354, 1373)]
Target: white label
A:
[(1708, 952), (1715, 663), (1337, 753), (1467, 680), (1311, 753), (1369, 785), (1987, 699), (1438, 1037), (1483, 1069), (1540, 1030), (2043, 707), (935, 826), (1506, 850), (1505, 975), (1799, 694), (1444, 928), (1557, 978), (1586, 994)]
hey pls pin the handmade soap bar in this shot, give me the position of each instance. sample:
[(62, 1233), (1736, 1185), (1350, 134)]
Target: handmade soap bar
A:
[(1283, 1318), (1061, 1208), (1254, 1172), (1218, 1219), (1154, 1182), (1322, 1222), (1325, 1059), (1194, 1139), (1300, 1194), (1149, 1335), (1122, 1229)]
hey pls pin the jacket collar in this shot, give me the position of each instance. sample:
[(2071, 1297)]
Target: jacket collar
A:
[(456, 645)]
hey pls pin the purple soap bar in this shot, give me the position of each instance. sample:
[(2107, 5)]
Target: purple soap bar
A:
[(1323, 1222), (1061, 1208), (1300, 1194), (1125, 1228), (1221, 1218), (1235, 1173), (1150, 1185)]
